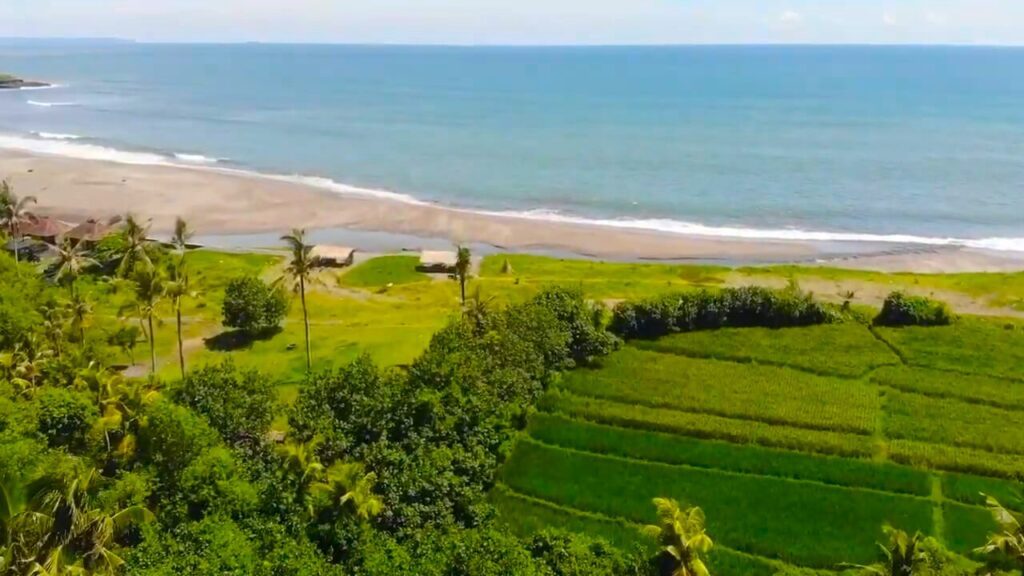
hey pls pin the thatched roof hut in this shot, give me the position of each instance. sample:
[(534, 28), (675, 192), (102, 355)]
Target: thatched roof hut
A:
[(437, 261), (43, 228), (91, 230), (326, 256)]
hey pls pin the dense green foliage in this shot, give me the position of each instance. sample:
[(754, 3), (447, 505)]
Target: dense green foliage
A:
[(240, 406), (729, 307), (253, 306), (900, 309)]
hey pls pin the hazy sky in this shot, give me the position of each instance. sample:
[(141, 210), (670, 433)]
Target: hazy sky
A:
[(524, 21)]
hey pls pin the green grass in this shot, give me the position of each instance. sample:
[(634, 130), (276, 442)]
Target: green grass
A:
[(707, 426), (945, 384), (968, 489), (956, 459), (382, 271), (671, 449), (971, 345), (802, 523), (967, 527), (763, 393), (526, 516), (856, 350), (955, 423)]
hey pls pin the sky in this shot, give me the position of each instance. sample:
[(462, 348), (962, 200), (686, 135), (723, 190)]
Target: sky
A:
[(523, 21)]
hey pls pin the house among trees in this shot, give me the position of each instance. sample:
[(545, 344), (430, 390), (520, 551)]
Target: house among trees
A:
[(437, 261), (43, 228), (325, 256), (90, 232)]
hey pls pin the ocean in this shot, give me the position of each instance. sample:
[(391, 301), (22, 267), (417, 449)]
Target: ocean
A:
[(900, 144)]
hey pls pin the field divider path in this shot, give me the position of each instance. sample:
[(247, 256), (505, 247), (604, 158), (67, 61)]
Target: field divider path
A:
[(899, 353), (774, 562), (725, 472), (938, 516)]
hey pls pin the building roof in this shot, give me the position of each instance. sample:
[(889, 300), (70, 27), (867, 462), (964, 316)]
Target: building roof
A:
[(326, 252), (90, 231), (438, 258), (43, 227)]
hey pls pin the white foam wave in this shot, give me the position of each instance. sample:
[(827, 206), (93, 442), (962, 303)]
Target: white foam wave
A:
[(35, 88), (56, 136), (64, 145), (51, 104), (78, 150), (197, 158), (780, 234)]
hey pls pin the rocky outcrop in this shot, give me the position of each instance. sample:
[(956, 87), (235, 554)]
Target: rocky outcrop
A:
[(13, 83)]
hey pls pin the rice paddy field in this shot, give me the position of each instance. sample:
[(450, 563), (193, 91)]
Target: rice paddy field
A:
[(799, 444)]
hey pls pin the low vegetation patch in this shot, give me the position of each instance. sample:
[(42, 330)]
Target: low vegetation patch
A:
[(730, 307), (707, 425), (793, 521), (968, 489), (900, 309), (956, 459), (941, 383), (955, 423), (970, 346), (752, 459), (730, 389), (856, 350)]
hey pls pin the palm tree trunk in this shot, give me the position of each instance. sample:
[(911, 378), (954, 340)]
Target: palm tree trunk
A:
[(181, 348), (462, 286), (305, 321), (152, 345), (17, 247)]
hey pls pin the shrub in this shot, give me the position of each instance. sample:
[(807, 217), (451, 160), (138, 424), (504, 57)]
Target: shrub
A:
[(64, 417), (731, 307), (252, 306), (901, 309), (239, 405)]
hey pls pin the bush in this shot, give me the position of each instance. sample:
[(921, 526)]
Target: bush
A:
[(64, 417), (239, 405), (252, 306), (901, 309), (746, 307)]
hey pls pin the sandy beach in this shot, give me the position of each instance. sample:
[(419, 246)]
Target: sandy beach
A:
[(235, 202)]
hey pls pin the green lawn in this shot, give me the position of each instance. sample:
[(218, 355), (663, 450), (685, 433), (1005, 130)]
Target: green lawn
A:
[(858, 351), (972, 345), (384, 270)]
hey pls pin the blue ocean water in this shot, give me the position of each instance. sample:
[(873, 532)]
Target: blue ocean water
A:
[(759, 141)]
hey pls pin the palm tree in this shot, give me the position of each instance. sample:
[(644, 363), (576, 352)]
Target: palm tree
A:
[(1010, 541), (904, 555), (70, 263), (136, 250), (682, 537), (80, 309), (350, 489), (300, 270), (301, 462), (13, 213), (463, 262), (150, 288), (178, 289), (53, 325)]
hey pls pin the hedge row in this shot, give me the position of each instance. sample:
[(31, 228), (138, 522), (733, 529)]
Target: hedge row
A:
[(730, 307), (901, 309)]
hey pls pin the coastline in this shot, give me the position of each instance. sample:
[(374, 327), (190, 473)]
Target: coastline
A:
[(219, 201)]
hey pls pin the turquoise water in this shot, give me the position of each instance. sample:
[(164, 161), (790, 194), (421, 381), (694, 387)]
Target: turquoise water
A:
[(774, 142)]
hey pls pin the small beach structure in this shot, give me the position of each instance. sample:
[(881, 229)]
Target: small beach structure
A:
[(48, 230), (437, 261), (90, 232), (28, 249), (326, 256)]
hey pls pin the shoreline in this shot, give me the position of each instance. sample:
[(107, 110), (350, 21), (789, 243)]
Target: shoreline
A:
[(225, 202)]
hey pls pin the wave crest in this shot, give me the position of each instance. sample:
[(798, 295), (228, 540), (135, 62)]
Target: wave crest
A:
[(50, 104), (56, 136)]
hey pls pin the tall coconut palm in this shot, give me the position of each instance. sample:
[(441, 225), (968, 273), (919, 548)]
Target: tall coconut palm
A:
[(179, 289), (150, 289), (682, 537), (13, 213), (80, 310), (463, 262), (301, 462), (72, 260), (136, 249), (1010, 539), (300, 271)]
